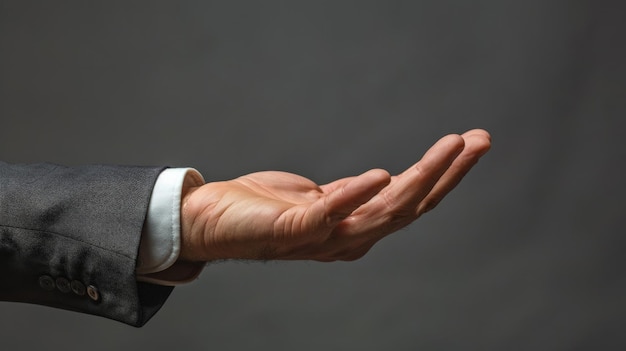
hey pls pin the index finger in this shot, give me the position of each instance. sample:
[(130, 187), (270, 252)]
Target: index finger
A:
[(412, 185)]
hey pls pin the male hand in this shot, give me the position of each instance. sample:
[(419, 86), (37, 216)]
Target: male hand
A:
[(278, 215)]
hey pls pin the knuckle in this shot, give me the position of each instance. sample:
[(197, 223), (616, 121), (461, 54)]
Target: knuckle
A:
[(429, 205), (419, 170), (388, 201)]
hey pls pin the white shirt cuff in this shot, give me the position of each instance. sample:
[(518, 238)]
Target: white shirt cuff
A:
[(160, 239)]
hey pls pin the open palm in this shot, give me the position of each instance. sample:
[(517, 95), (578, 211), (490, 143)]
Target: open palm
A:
[(279, 215)]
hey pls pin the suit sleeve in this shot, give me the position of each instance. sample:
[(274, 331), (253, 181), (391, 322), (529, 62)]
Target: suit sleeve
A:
[(69, 238)]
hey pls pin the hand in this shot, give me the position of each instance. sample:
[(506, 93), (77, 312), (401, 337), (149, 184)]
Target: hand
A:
[(278, 215)]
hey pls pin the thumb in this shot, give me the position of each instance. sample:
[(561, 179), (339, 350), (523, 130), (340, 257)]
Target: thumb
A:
[(340, 203)]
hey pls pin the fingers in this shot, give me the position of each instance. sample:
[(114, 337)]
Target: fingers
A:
[(477, 143), (380, 210), (358, 211), (410, 187)]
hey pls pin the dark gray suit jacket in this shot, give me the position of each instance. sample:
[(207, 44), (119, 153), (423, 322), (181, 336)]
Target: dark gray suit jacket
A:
[(69, 239)]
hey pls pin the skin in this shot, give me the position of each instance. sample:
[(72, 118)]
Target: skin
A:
[(282, 216)]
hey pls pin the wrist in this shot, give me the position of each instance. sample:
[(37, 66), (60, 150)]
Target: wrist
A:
[(189, 246)]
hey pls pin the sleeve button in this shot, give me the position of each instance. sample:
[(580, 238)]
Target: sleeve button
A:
[(46, 282), (63, 285), (78, 288), (93, 293)]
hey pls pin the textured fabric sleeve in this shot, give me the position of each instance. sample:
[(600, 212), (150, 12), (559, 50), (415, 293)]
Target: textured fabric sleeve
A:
[(69, 238)]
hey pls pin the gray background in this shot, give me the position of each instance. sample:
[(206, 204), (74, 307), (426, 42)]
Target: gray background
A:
[(527, 254)]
